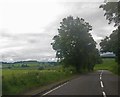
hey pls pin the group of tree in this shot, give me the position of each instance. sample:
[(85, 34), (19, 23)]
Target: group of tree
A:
[(74, 45), (112, 43)]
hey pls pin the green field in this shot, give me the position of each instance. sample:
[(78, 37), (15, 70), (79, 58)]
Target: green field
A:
[(107, 64), (29, 65), (18, 81)]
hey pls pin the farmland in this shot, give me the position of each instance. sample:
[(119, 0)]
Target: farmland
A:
[(17, 79), (28, 65), (20, 77)]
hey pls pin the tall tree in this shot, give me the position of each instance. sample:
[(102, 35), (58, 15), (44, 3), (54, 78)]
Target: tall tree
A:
[(110, 44), (74, 44), (112, 14)]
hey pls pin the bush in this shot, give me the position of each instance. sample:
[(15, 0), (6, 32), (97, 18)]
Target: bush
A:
[(69, 69)]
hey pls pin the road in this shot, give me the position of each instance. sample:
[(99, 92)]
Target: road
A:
[(101, 82)]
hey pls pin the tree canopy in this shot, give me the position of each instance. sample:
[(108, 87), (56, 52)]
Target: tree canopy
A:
[(112, 43), (112, 12), (74, 44)]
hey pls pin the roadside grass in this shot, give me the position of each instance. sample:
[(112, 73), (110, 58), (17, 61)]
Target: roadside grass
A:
[(108, 64), (19, 81)]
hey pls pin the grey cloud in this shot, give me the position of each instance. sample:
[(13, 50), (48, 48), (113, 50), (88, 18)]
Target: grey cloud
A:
[(28, 37), (36, 45), (21, 46)]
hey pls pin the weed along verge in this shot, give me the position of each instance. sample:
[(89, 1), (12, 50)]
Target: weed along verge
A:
[(46, 88), (21, 81)]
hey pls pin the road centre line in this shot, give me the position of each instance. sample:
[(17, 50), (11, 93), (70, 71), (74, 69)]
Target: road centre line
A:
[(101, 84), (100, 77), (101, 73), (104, 94), (54, 89)]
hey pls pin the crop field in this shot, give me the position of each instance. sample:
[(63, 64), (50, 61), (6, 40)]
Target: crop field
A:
[(17, 81)]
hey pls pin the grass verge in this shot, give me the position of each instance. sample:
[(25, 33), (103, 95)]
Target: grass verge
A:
[(18, 81), (108, 64)]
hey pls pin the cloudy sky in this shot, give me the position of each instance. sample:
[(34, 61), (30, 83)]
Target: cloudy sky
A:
[(28, 26)]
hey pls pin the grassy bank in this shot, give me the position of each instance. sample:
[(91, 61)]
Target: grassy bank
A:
[(17, 81), (108, 64)]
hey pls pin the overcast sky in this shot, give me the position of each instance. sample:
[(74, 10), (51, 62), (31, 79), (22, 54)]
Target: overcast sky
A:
[(28, 26)]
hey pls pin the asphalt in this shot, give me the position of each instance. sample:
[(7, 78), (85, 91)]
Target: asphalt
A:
[(101, 82)]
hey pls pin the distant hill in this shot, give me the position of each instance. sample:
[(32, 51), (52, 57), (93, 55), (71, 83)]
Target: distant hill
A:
[(28, 62)]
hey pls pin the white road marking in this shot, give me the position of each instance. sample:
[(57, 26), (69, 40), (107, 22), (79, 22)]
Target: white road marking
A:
[(104, 94), (54, 89), (101, 84), (101, 73)]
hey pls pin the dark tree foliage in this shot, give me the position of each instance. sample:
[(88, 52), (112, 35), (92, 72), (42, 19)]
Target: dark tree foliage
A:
[(110, 44), (112, 14), (74, 44)]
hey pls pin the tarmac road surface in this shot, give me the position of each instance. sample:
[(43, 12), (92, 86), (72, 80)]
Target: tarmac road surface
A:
[(101, 82)]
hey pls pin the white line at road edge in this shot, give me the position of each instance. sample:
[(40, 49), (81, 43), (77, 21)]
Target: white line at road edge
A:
[(100, 77), (104, 94), (54, 89)]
